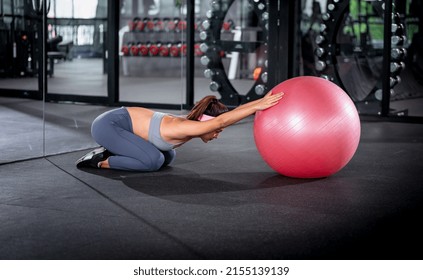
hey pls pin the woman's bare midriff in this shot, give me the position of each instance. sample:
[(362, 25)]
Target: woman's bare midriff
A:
[(140, 118)]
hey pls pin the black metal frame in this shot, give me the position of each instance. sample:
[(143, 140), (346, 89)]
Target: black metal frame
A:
[(113, 51), (216, 45), (190, 68), (282, 49), (386, 88)]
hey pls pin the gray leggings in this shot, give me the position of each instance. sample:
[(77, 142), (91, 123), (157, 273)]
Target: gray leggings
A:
[(113, 131)]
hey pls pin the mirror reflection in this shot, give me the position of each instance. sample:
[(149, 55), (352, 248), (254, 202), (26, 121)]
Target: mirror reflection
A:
[(21, 108)]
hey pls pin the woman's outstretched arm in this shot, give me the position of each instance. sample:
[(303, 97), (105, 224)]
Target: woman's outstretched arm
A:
[(187, 128), (249, 108)]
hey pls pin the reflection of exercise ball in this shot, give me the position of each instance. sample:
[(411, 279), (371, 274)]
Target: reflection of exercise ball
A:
[(312, 132)]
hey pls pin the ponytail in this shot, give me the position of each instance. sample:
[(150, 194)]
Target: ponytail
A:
[(209, 105)]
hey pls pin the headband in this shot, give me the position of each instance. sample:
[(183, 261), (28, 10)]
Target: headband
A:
[(205, 117)]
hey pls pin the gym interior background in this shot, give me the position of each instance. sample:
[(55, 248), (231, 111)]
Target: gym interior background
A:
[(167, 54), (64, 62)]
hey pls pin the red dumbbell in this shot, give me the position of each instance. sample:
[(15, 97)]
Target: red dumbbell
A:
[(164, 50), (144, 49), (175, 50), (140, 26), (125, 50), (132, 24), (134, 49), (154, 49), (182, 25), (169, 25), (228, 25), (149, 24), (158, 24)]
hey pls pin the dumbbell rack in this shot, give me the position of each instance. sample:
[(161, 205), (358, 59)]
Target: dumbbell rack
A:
[(152, 45)]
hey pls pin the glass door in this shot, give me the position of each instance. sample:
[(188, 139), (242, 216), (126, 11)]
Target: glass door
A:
[(152, 50), (76, 50), (76, 70)]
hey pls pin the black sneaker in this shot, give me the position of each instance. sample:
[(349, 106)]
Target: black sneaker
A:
[(93, 158)]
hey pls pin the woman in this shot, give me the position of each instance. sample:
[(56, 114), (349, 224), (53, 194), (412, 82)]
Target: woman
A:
[(139, 139)]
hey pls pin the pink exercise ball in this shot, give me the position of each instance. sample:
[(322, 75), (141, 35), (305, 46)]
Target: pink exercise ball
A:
[(313, 131)]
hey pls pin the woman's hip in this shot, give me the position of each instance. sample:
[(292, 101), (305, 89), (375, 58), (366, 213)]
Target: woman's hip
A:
[(107, 122)]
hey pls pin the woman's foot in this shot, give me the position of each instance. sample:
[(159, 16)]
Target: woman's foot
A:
[(93, 158)]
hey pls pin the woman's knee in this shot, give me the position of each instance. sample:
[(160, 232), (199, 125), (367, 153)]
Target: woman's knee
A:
[(158, 163), (153, 163)]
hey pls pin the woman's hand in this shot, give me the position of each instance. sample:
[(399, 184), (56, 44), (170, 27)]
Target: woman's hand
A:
[(268, 100)]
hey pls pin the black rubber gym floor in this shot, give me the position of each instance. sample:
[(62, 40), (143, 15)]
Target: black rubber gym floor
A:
[(220, 201)]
